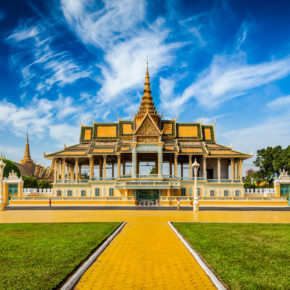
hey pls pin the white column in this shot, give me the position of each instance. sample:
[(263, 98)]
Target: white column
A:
[(2, 165), (204, 168), (63, 170), (134, 155), (54, 170), (232, 169)]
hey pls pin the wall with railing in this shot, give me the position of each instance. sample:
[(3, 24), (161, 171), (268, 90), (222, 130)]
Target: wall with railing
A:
[(260, 191), (27, 191)]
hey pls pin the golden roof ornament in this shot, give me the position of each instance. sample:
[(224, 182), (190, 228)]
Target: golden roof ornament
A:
[(27, 156), (147, 104)]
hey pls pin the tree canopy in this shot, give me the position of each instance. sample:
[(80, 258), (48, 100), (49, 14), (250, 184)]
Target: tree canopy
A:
[(271, 160), (29, 182), (10, 165)]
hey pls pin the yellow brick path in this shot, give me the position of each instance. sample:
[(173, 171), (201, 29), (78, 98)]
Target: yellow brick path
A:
[(146, 254)]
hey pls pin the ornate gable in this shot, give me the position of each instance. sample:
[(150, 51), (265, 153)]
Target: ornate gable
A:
[(147, 131)]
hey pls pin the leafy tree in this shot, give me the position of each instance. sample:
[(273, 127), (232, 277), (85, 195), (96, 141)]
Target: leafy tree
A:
[(44, 184), (270, 161), (29, 182), (10, 165)]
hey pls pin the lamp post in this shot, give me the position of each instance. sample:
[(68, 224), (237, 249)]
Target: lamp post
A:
[(2, 165), (195, 167)]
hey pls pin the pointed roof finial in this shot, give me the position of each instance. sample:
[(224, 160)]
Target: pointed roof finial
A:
[(147, 104), (27, 156)]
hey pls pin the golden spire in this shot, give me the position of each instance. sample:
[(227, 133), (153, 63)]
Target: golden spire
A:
[(26, 157), (147, 104)]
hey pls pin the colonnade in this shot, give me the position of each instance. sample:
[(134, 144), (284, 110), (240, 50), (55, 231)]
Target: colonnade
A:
[(64, 169)]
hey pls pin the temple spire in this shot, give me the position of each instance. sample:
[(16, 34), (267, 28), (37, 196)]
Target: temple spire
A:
[(147, 104), (26, 157)]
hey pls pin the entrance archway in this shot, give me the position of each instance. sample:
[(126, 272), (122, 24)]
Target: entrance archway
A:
[(147, 196)]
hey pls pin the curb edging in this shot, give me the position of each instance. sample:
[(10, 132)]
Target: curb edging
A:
[(71, 282), (217, 283)]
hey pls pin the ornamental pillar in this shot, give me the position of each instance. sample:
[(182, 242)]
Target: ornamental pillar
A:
[(57, 169), (235, 169), (54, 170), (170, 168), (105, 165), (204, 168), (232, 170), (63, 163), (2, 165), (119, 165), (91, 167), (219, 169), (76, 169), (160, 162), (241, 170), (190, 166), (134, 162)]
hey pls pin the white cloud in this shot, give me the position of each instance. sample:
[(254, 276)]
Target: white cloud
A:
[(24, 33), (64, 133), (166, 87), (103, 27), (228, 78), (279, 103), (126, 66), (40, 65), (116, 29), (42, 118)]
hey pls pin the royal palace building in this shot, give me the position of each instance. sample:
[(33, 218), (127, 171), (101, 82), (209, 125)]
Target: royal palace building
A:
[(111, 159)]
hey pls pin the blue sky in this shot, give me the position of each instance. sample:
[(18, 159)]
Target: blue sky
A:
[(65, 62)]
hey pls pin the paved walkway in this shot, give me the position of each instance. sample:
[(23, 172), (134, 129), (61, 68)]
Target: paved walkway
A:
[(146, 254)]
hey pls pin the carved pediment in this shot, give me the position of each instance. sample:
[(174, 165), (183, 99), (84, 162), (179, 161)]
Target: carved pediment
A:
[(147, 128)]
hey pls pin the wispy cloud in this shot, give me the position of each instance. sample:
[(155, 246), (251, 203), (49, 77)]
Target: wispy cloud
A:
[(42, 66), (228, 78), (279, 103), (103, 26), (126, 39)]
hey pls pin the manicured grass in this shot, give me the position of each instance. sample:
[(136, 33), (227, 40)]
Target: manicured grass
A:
[(40, 256), (244, 256)]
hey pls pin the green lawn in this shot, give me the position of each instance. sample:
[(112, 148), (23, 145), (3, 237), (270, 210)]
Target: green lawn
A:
[(244, 256), (40, 256)]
